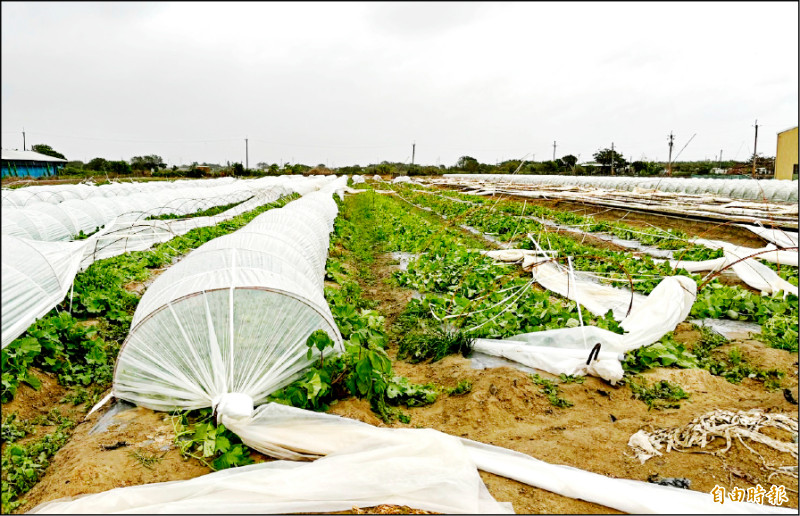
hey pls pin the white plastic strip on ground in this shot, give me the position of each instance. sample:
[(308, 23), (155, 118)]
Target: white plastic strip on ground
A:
[(777, 236), (743, 263), (422, 469), (577, 286), (292, 433), (758, 275), (365, 465), (768, 253)]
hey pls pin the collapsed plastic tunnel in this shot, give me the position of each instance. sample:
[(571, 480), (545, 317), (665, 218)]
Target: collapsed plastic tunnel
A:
[(233, 317)]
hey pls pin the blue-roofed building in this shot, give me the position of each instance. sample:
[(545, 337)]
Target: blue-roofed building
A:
[(17, 163)]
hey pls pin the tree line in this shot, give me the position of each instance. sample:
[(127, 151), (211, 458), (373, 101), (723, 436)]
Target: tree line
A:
[(605, 162)]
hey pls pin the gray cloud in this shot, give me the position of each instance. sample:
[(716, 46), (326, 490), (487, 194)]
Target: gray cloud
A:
[(358, 83)]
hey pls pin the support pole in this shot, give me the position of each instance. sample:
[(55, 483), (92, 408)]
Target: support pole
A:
[(669, 161), (755, 154), (612, 158)]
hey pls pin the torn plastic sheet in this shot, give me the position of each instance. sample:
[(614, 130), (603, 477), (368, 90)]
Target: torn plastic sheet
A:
[(567, 350), (365, 465), (422, 469)]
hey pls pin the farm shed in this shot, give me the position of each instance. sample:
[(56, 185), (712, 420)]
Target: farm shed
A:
[(28, 163), (786, 154)]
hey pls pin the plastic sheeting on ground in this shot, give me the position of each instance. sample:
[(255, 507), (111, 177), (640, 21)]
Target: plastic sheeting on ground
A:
[(365, 465), (569, 350), (581, 288), (422, 469), (291, 433), (769, 253), (777, 236), (578, 286), (231, 320), (742, 260), (626, 196)]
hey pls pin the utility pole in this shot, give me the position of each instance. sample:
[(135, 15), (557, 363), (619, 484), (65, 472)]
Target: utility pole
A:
[(554, 150), (413, 151), (612, 158), (23, 139), (755, 142), (669, 161), (246, 155)]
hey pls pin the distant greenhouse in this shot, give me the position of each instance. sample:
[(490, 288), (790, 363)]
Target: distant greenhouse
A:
[(29, 163)]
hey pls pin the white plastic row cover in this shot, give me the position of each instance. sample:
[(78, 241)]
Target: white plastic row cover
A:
[(233, 317), (38, 274), (64, 220), (55, 194), (770, 189)]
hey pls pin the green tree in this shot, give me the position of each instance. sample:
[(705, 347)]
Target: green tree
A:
[(150, 162), (568, 162), (47, 150), (118, 167), (644, 168), (606, 156), (468, 164), (384, 169), (194, 172), (96, 164)]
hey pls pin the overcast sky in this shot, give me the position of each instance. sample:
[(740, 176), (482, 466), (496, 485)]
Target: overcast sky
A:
[(358, 83)]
